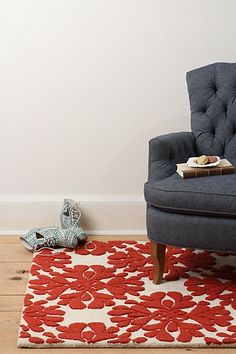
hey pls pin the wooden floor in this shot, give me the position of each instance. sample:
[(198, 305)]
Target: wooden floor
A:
[(14, 269)]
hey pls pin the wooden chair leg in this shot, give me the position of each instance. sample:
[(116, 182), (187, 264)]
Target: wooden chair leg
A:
[(158, 256)]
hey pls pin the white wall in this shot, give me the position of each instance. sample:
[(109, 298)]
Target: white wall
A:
[(84, 84)]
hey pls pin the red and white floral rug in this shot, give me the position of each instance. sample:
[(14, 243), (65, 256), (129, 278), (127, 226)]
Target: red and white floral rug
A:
[(101, 295)]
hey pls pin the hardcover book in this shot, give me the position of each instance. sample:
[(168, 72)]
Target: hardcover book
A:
[(224, 167)]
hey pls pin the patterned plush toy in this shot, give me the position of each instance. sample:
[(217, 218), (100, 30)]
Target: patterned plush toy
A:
[(69, 235)]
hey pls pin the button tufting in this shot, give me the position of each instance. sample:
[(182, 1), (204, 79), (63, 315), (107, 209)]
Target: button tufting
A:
[(204, 110), (214, 88)]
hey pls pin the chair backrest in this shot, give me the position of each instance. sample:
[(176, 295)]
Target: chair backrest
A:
[(212, 95)]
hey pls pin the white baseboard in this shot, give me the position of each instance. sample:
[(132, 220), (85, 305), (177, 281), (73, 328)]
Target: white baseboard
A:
[(101, 214)]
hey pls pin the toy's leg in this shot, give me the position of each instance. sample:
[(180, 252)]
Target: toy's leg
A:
[(158, 256)]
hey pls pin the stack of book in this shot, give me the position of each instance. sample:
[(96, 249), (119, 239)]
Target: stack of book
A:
[(224, 167)]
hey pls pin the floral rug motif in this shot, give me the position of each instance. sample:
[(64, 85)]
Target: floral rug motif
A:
[(101, 295)]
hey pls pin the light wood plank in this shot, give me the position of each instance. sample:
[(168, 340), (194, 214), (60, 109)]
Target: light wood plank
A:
[(9, 239), (14, 252), (18, 253), (11, 303), (118, 237), (13, 278), (15, 239)]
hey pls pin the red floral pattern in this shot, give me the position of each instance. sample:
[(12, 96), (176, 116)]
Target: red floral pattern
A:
[(229, 338), (47, 259), (179, 261), (86, 284), (101, 294), (98, 248), (36, 314), (214, 289), (169, 311), (91, 333)]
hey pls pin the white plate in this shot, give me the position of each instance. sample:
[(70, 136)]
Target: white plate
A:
[(192, 162)]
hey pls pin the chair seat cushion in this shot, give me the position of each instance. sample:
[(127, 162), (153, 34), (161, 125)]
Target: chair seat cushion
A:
[(212, 195)]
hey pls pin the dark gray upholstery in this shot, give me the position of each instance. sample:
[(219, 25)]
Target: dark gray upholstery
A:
[(212, 94), (198, 212), (215, 195), (191, 231), (167, 150)]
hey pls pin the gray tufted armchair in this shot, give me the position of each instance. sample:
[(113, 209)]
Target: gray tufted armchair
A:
[(197, 212)]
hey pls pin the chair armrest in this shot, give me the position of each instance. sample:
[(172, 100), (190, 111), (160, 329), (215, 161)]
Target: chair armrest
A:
[(166, 151)]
